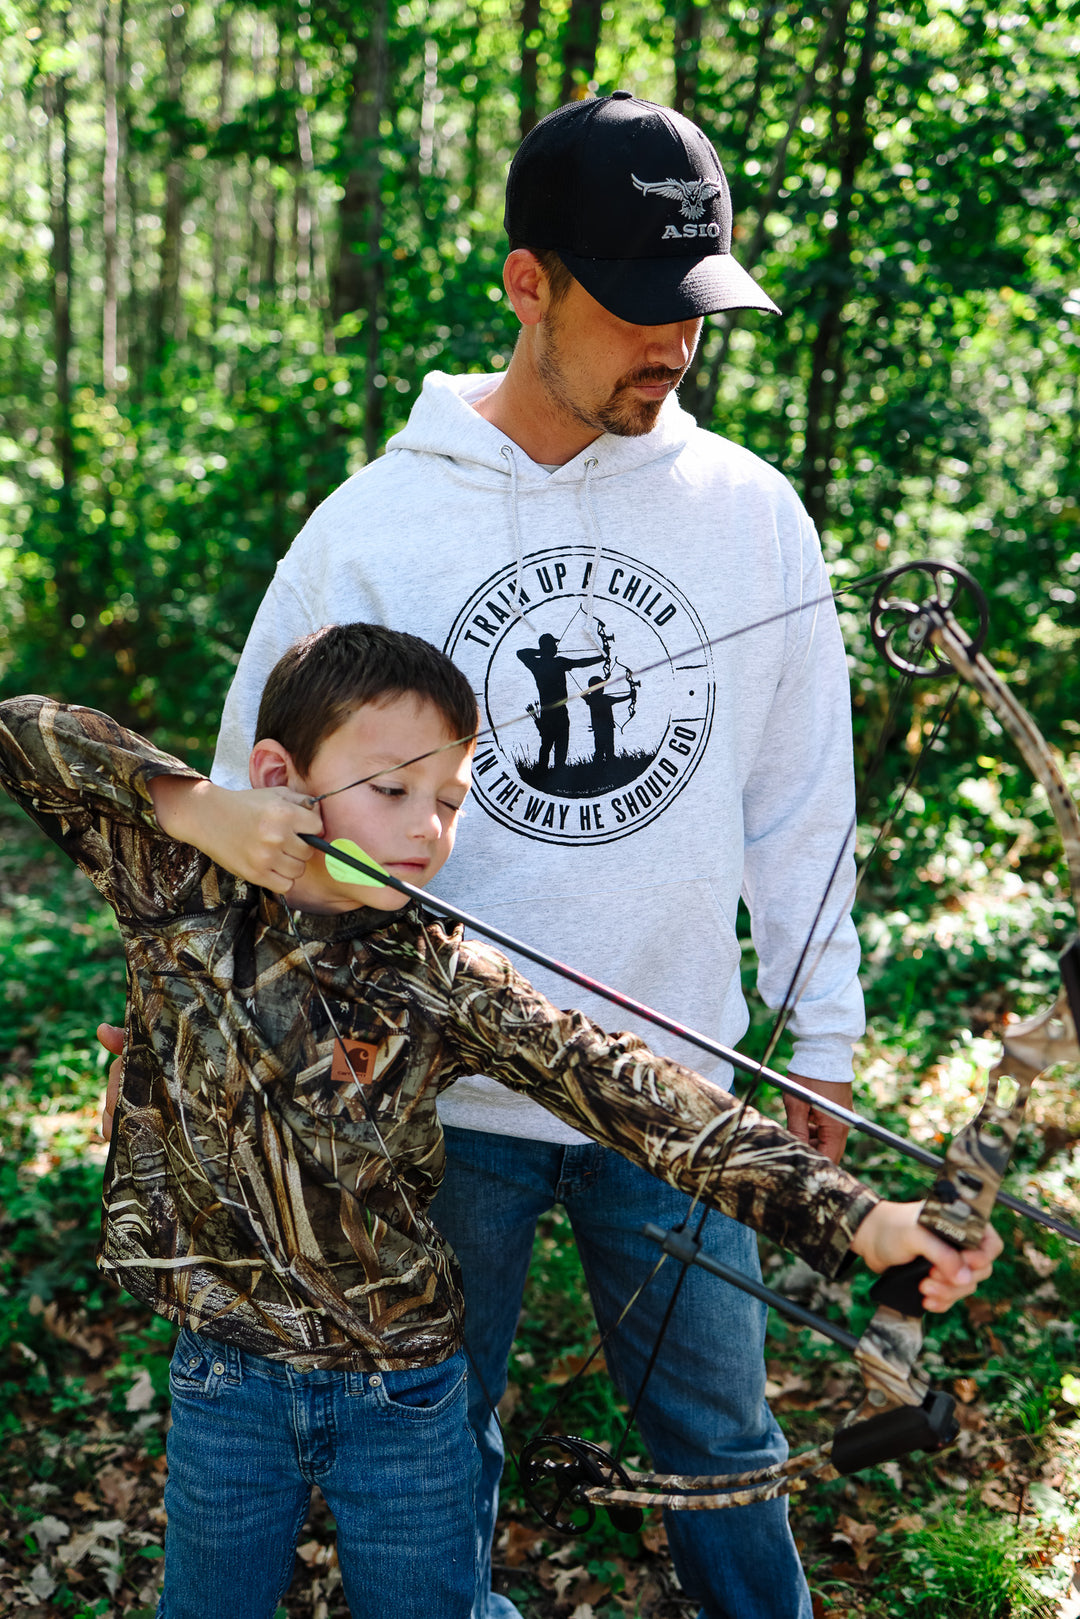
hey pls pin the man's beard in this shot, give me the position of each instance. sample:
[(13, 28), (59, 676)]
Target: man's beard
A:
[(622, 412)]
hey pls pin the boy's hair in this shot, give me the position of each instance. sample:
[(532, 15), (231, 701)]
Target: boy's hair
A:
[(316, 685)]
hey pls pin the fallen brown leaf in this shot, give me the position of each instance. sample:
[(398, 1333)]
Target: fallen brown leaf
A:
[(517, 1541), (991, 1496), (859, 1534), (654, 1536), (568, 1366), (1043, 1265), (117, 1487)]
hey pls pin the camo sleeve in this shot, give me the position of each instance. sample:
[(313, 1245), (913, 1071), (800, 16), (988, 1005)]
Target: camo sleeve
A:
[(654, 1111), (85, 780)]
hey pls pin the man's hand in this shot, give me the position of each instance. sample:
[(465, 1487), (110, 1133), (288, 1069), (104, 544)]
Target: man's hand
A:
[(254, 833), (812, 1125), (112, 1039), (891, 1235)]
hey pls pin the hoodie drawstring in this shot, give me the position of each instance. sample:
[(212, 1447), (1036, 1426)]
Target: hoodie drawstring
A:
[(507, 453), (586, 497)]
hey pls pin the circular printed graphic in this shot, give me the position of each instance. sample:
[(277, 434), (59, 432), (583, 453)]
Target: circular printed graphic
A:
[(580, 748)]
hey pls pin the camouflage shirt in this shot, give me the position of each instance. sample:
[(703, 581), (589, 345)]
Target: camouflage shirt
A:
[(248, 1190)]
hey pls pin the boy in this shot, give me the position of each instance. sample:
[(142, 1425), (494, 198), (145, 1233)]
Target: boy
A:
[(276, 1142)]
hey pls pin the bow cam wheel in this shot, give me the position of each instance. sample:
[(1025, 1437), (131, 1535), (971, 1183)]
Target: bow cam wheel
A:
[(900, 625), (556, 1472)]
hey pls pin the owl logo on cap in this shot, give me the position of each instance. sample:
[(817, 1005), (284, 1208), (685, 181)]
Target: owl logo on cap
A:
[(691, 195)]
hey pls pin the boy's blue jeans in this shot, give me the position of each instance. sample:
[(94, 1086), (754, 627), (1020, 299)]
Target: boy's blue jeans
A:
[(392, 1452), (704, 1410)]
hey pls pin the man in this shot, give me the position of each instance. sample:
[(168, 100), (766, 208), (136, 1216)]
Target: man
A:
[(550, 671), (569, 504)]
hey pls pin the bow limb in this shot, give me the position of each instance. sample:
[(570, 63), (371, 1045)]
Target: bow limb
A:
[(899, 1412), (633, 686), (898, 1402), (960, 1204)]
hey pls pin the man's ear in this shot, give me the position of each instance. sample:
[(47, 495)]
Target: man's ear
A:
[(526, 286), (270, 765)]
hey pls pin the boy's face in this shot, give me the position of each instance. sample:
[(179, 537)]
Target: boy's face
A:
[(406, 818)]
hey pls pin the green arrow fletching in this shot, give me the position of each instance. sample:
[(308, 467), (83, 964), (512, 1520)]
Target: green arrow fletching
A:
[(342, 873)]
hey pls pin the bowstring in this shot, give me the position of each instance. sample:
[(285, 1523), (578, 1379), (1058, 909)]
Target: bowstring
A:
[(535, 709), (788, 1005), (793, 994)]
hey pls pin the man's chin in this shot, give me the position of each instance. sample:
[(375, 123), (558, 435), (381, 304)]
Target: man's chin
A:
[(631, 418)]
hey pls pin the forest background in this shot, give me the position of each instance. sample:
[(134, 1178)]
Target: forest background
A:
[(233, 239)]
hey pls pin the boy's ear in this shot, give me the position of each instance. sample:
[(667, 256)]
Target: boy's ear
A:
[(270, 765)]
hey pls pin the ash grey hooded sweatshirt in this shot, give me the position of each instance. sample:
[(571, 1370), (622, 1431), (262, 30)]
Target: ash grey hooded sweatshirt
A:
[(616, 831)]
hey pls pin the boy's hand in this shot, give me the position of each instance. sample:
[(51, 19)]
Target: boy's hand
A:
[(254, 833), (112, 1039), (891, 1235)]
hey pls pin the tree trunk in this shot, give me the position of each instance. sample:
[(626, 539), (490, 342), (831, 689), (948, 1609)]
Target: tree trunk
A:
[(166, 325), (56, 108), (428, 102), (109, 174), (359, 275), (131, 338), (687, 17), (269, 210), (309, 229), (581, 40), (472, 149), (828, 360), (223, 192), (65, 572), (531, 38)]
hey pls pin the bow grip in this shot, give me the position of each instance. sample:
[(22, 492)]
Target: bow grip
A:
[(894, 1433), (898, 1287)]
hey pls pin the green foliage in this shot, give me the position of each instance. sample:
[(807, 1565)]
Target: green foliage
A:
[(905, 182), (62, 974), (965, 1564)]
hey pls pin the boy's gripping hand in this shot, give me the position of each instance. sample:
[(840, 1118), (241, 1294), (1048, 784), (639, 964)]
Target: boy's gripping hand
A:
[(111, 1037), (891, 1235), (254, 833)]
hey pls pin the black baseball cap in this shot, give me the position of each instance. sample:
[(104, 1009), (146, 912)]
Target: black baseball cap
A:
[(632, 198)]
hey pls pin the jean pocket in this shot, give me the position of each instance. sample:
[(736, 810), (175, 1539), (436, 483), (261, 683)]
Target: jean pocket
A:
[(201, 1366), (423, 1391)]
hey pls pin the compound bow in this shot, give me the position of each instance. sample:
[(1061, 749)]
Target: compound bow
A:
[(564, 1476), (899, 1412)]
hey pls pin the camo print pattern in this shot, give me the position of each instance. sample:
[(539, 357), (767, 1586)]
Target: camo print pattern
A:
[(246, 1191), (709, 1493)]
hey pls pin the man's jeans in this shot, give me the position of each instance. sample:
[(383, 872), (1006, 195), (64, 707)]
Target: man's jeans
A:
[(704, 1410), (392, 1453)]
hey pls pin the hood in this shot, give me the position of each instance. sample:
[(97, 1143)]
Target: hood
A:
[(443, 422)]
